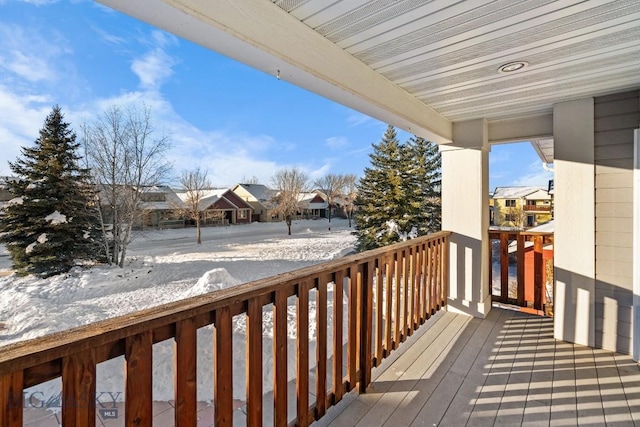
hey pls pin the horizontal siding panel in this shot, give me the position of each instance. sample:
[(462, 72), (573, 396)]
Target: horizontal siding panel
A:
[(613, 137), (617, 225), (614, 195), (622, 329), (606, 289), (622, 283), (617, 107), (614, 210), (614, 253), (614, 180), (616, 97), (612, 170), (621, 121), (618, 151), (614, 270), (624, 164), (608, 238)]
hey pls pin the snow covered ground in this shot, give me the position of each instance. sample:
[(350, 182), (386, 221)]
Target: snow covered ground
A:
[(164, 266)]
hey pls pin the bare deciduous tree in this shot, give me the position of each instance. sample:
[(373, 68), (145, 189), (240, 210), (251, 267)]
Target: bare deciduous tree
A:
[(289, 183), (331, 185), (349, 194), (125, 156), (194, 184)]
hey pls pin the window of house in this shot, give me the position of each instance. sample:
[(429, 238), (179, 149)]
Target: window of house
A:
[(510, 203), (510, 217), (242, 214)]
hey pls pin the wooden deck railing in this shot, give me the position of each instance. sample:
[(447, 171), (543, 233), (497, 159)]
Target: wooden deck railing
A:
[(539, 239), (389, 292)]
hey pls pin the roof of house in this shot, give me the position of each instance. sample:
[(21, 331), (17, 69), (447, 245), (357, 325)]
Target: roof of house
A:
[(515, 192), (261, 193)]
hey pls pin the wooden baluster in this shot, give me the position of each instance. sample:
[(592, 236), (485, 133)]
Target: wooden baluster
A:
[(186, 381), (411, 294), (366, 324), (354, 344), (491, 238), (302, 358), (433, 278), (338, 304), (11, 399), (417, 280), (388, 300), (428, 279), (444, 261), (424, 285), (397, 321), (280, 360), (321, 347), (406, 261), (223, 368), (254, 363), (520, 269), (138, 378), (379, 296), (504, 267), (538, 266), (79, 389)]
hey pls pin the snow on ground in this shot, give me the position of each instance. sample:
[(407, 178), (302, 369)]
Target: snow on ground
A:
[(165, 266)]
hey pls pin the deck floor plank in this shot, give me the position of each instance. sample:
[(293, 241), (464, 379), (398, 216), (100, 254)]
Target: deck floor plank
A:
[(504, 370)]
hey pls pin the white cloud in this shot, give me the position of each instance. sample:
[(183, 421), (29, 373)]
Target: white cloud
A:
[(336, 142), (109, 37), (534, 176), (153, 68), (30, 56), (39, 2), (356, 119)]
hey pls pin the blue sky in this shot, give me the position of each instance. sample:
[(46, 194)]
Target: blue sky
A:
[(229, 119)]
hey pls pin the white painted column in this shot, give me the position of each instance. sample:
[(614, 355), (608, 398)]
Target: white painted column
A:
[(574, 211), (465, 212), (636, 246)]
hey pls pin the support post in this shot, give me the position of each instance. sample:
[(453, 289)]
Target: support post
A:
[(465, 212)]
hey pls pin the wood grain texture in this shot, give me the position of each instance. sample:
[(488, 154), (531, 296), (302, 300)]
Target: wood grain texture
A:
[(280, 360), (11, 399), (302, 357), (321, 346), (223, 368), (185, 369), (79, 389), (254, 363), (338, 321), (138, 379)]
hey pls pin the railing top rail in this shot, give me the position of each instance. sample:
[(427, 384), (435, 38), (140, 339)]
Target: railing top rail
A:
[(493, 233), (25, 354)]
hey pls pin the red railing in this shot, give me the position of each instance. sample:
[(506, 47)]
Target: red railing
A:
[(390, 292), (528, 293), (537, 208)]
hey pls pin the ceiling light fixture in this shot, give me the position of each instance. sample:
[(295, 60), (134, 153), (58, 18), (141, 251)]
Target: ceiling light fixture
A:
[(512, 66)]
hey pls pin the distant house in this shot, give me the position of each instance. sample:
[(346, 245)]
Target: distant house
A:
[(222, 206), (259, 197), (160, 206), (313, 205), (521, 207)]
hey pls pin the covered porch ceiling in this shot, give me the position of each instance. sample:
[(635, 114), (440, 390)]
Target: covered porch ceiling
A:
[(424, 65)]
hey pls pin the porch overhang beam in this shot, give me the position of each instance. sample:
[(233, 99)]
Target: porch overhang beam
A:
[(521, 129), (262, 35)]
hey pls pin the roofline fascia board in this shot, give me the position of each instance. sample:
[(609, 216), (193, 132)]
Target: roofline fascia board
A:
[(262, 35)]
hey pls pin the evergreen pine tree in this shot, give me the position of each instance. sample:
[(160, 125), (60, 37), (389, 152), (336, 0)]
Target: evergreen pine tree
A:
[(381, 205), (423, 185), (51, 223)]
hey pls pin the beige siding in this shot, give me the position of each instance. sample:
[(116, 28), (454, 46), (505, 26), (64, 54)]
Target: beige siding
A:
[(616, 117)]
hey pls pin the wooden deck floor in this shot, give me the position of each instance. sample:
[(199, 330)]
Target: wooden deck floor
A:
[(504, 370)]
